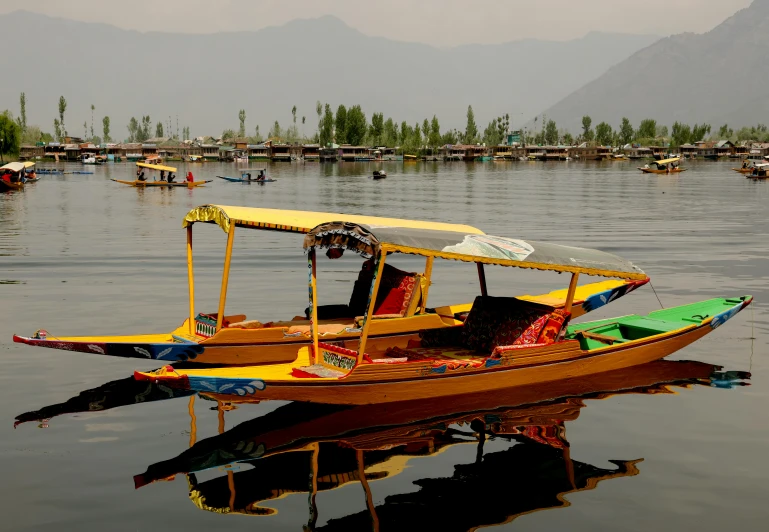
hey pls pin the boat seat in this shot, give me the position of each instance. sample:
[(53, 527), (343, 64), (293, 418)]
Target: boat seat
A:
[(399, 295), (495, 322)]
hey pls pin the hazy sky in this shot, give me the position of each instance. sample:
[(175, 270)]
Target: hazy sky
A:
[(437, 22)]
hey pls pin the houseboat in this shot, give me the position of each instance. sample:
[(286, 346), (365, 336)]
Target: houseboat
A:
[(280, 153)]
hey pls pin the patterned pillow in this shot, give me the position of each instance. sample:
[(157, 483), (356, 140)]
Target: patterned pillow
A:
[(556, 322), (480, 326), (524, 321)]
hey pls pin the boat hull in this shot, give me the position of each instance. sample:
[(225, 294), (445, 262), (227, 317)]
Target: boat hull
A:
[(145, 184), (653, 171), (276, 345), (396, 382), (248, 181), (5, 185)]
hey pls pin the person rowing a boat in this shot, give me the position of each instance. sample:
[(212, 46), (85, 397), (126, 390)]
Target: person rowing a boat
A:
[(260, 177)]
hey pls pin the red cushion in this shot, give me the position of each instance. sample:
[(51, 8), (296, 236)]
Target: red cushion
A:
[(553, 327), (392, 303)]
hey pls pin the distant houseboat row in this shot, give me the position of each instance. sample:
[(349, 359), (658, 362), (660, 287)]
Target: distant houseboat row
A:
[(73, 150)]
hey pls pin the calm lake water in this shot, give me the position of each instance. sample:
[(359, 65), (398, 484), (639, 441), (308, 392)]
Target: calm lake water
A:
[(81, 255)]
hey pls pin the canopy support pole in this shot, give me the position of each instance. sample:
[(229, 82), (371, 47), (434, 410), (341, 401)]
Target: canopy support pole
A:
[(371, 303), (312, 266), (428, 280), (482, 278), (572, 289), (191, 280), (225, 277)]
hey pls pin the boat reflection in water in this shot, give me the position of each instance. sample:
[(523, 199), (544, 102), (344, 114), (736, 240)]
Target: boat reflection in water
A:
[(113, 394), (309, 448)]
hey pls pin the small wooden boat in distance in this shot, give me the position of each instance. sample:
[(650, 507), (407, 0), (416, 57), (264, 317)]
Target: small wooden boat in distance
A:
[(663, 166), (502, 343), (379, 174), (247, 177), (759, 171), (145, 184), (12, 176)]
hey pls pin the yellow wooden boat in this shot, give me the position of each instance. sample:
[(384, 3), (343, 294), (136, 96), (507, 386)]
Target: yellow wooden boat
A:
[(205, 338), (503, 342), (663, 166), (11, 176), (144, 184)]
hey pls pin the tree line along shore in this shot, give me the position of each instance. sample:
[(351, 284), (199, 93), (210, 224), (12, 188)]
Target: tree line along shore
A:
[(349, 130)]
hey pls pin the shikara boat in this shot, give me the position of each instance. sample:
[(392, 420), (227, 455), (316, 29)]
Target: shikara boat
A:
[(231, 339), (246, 176), (759, 171), (143, 184), (11, 176), (333, 445), (163, 182), (747, 167), (502, 342), (663, 166)]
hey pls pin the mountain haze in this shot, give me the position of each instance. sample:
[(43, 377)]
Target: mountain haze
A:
[(206, 79), (716, 77)]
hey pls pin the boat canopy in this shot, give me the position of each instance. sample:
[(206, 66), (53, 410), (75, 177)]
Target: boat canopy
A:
[(666, 161), (303, 221), (761, 165), (157, 167), (370, 240), (29, 164), (14, 167)]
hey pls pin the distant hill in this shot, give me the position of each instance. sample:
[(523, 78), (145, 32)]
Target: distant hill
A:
[(206, 79), (717, 77)]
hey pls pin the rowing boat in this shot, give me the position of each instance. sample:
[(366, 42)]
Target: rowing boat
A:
[(246, 180), (142, 184), (502, 342), (664, 166), (12, 176), (205, 338)]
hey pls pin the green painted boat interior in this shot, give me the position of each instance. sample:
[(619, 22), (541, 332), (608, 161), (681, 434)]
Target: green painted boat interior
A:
[(635, 327)]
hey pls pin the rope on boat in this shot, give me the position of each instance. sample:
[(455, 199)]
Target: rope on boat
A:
[(655, 294)]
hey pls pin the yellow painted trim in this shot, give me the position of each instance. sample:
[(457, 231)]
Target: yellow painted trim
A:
[(225, 278), (371, 305), (191, 281), (428, 282), (302, 221), (512, 263)]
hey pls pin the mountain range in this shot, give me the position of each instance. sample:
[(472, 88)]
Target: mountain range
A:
[(206, 79), (719, 77)]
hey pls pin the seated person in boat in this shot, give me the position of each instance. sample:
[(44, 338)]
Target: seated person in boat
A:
[(190, 179), (140, 175), (171, 177), (162, 175)]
